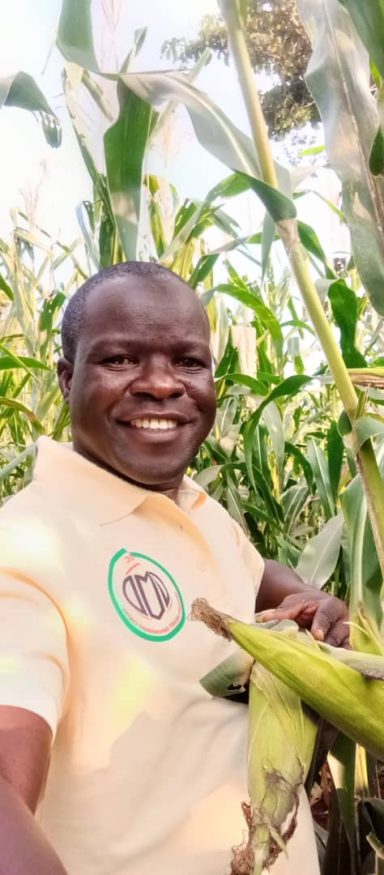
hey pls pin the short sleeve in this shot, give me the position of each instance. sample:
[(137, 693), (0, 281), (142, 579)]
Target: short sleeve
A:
[(252, 559), (33, 648)]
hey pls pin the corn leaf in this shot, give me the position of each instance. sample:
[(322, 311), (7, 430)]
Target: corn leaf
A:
[(16, 405), (335, 454), (339, 78), (319, 557), (367, 427), (125, 145), (74, 36), (20, 90), (320, 470), (344, 305), (5, 287), (368, 19), (9, 362), (365, 574), (217, 134)]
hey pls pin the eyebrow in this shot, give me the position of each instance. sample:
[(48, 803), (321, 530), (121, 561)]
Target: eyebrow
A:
[(98, 345)]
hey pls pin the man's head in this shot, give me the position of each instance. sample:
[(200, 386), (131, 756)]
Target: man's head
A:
[(136, 373)]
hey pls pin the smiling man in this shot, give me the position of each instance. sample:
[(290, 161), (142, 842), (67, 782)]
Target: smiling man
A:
[(105, 731)]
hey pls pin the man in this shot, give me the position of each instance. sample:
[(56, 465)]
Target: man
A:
[(103, 555)]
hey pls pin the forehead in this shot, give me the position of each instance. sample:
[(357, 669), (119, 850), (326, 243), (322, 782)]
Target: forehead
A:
[(150, 305)]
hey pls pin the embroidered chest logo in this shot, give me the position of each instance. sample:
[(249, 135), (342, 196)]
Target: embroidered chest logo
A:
[(146, 596)]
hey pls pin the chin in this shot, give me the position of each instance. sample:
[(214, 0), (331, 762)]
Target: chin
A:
[(153, 478)]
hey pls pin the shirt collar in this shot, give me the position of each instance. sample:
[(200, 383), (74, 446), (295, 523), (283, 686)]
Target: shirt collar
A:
[(104, 496)]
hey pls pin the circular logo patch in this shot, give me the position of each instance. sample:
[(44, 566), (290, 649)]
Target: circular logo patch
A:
[(146, 596)]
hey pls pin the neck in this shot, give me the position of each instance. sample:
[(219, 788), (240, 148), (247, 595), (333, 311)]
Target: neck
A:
[(171, 490)]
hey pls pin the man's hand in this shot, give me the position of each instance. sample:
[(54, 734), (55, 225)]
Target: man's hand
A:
[(325, 616), (284, 596)]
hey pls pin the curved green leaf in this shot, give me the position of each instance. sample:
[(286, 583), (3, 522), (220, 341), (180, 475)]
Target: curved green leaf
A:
[(20, 90), (249, 299), (213, 128), (293, 501), (125, 145), (319, 465), (345, 311), (287, 387), (365, 574), (312, 244), (9, 362), (256, 386), (215, 132), (376, 158), (319, 557), (335, 453), (278, 205), (368, 18), (6, 288), (74, 36), (16, 405), (339, 78), (272, 419), (367, 427)]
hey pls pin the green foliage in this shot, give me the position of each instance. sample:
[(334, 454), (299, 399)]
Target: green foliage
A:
[(31, 301), (281, 456), (277, 45), (340, 82), (21, 91)]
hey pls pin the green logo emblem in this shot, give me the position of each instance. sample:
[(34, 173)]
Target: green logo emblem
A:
[(146, 596)]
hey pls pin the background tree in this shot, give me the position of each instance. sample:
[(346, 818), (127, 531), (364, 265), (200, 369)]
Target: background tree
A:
[(278, 46)]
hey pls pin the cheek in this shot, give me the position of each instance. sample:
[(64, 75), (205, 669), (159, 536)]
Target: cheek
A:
[(95, 392), (205, 397)]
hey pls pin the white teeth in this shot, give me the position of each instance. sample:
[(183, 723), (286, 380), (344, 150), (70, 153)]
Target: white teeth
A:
[(156, 424)]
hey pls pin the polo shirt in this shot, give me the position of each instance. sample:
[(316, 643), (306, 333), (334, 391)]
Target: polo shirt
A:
[(97, 578)]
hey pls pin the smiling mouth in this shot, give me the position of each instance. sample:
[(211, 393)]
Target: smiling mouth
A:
[(154, 424)]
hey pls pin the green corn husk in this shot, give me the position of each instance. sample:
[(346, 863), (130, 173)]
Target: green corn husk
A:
[(281, 740), (280, 747), (332, 688), (365, 634)]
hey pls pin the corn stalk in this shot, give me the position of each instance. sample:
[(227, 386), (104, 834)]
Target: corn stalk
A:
[(288, 231)]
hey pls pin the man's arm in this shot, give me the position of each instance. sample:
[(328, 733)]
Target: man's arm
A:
[(283, 595), (25, 741)]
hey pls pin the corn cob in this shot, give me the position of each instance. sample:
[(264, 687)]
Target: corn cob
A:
[(280, 748), (335, 690), (281, 739)]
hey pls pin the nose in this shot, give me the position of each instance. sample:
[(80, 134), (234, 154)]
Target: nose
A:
[(159, 380)]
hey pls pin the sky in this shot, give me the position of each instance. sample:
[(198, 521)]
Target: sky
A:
[(53, 180), (51, 183)]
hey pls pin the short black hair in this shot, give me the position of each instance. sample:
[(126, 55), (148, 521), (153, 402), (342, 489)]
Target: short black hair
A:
[(74, 314)]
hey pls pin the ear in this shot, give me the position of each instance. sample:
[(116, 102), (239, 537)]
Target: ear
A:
[(64, 374)]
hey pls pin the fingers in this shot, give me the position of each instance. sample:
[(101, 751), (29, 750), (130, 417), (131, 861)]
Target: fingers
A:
[(338, 635), (281, 613), (327, 618), (329, 626), (301, 610)]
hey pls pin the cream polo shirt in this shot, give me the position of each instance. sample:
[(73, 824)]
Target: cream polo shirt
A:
[(96, 583)]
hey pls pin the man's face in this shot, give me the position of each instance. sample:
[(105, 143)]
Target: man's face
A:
[(141, 390)]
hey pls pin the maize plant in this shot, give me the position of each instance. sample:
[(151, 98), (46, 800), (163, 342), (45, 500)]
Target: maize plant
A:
[(274, 787), (291, 666)]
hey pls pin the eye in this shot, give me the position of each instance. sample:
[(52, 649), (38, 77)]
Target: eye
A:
[(189, 363), (119, 361)]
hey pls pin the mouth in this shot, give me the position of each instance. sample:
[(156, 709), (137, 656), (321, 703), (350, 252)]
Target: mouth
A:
[(154, 424)]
